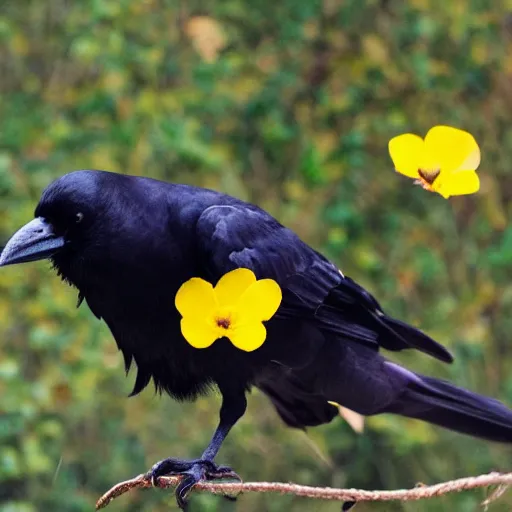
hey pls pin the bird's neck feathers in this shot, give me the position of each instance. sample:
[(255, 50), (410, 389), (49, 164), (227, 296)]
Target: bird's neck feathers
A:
[(75, 269)]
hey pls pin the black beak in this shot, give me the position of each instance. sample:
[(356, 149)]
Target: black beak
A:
[(34, 241)]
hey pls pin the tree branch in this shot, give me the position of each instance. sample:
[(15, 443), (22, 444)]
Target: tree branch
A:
[(503, 480)]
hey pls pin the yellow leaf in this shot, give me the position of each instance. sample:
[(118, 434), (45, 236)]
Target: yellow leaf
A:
[(354, 419), (375, 49), (20, 44), (207, 36)]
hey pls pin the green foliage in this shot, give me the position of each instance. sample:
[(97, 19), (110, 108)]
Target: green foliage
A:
[(288, 104)]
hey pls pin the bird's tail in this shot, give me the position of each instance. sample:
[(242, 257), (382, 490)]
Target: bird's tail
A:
[(439, 402)]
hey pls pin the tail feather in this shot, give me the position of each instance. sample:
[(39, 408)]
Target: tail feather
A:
[(441, 403), (368, 322), (417, 339)]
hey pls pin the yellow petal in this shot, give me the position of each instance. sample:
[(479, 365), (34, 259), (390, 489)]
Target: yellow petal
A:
[(259, 302), (459, 183), (450, 148), (472, 161), (248, 337), (198, 333), (407, 152), (196, 298), (233, 284)]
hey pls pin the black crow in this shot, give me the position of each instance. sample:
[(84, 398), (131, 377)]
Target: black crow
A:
[(128, 243)]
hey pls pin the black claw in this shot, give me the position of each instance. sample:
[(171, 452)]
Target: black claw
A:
[(169, 466), (348, 505), (224, 470), (192, 472), (184, 488)]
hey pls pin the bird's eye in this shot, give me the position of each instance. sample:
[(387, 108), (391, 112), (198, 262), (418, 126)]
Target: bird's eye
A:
[(79, 217)]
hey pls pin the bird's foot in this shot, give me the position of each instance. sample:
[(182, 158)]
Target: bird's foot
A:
[(191, 471)]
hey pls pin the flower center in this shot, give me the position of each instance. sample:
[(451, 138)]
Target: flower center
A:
[(427, 178), (223, 322), (429, 175)]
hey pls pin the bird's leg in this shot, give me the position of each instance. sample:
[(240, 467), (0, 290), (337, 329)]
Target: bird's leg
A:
[(232, 409)]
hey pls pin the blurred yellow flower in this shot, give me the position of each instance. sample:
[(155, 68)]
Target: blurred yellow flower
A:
[(445, 162), (234, 309)]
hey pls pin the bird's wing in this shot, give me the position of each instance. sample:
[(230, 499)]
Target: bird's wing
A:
[(231, 237), (234, 236)]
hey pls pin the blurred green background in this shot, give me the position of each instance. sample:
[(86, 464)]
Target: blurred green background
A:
[(289, 104)]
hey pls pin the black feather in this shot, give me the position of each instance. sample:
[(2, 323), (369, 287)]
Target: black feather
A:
[(141, 381), (449, 406), (356, 303)]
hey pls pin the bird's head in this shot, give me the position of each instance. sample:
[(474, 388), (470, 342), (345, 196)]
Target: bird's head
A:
[(66, 219)]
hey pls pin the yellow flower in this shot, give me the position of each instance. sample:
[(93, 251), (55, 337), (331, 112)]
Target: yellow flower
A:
[(234, 309), (445, 162)]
